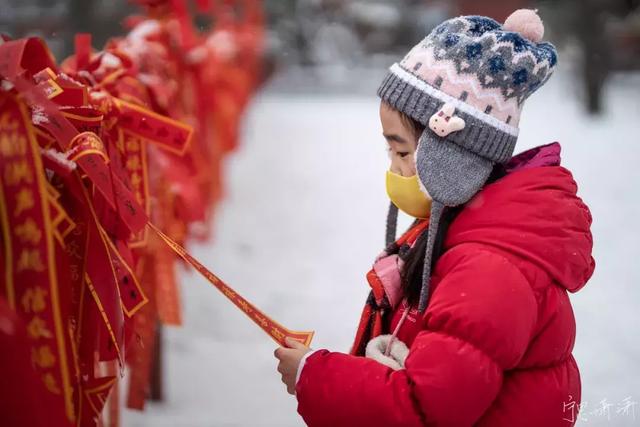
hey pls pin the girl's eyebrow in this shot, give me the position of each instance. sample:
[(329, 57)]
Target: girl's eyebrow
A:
[(394, 137)]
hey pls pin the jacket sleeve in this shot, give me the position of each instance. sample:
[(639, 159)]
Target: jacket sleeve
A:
[(478, 324)]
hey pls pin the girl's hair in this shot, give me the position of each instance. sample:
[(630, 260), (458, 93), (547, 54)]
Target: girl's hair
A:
[(411, 273), (416, 127)]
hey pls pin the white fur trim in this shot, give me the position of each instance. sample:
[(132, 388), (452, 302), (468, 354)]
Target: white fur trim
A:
[(399, 351), (416, 82), (421, 185), (301, 364), (424, 189)]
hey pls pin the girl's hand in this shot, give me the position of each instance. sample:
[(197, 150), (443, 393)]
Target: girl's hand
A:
[(289, 360)]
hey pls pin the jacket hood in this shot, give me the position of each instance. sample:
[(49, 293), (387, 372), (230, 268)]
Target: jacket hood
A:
[(534, 213)]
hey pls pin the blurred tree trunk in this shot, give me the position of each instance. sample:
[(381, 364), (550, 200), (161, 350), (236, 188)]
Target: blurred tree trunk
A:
[(595, 50)]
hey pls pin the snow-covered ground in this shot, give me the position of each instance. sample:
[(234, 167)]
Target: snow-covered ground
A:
[(304, 218)]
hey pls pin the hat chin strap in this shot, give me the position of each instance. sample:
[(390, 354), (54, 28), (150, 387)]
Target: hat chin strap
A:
[(437, 208), (392, 225)]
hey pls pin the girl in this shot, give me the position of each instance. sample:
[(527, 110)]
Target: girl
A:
[(468, 321)]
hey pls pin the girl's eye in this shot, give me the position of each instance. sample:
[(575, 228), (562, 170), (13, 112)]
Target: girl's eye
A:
[(403, 154)]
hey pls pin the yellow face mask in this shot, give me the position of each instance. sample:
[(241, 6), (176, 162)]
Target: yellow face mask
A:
[(405, 193)]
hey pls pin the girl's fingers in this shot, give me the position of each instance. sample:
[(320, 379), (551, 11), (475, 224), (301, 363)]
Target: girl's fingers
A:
[(291, 343), (287, 381), (280, 352)]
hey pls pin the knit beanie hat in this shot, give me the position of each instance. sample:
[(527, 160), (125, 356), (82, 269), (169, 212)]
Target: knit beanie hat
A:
[(467, 82)]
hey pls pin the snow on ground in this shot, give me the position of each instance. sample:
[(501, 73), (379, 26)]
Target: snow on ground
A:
[(304, 218)]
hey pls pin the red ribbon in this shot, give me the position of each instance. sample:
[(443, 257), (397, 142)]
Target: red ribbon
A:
[(276, 331), (31, 260), (113, 189)]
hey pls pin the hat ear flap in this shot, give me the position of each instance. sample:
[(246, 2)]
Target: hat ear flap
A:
[(450, 173)]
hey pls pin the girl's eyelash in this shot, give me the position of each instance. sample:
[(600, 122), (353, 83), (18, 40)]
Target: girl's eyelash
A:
[(401, 154)]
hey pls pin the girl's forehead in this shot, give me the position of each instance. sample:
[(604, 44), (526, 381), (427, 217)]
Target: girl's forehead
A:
[(390, 117)]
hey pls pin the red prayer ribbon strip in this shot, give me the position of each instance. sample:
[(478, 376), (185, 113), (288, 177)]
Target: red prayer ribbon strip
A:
[(276, 331)]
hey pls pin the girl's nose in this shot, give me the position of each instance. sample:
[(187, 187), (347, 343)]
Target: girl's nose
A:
[(395, 167), (405, 167)]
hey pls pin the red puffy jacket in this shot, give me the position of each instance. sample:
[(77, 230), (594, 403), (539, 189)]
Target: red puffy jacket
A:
[(494, 345)]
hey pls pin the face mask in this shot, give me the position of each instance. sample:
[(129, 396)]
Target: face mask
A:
[(405, 193)]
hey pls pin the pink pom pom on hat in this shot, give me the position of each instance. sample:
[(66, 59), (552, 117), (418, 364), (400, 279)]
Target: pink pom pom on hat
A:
[(527, 23)]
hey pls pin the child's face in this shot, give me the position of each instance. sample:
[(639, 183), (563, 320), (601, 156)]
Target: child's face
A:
[(401, 140)]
